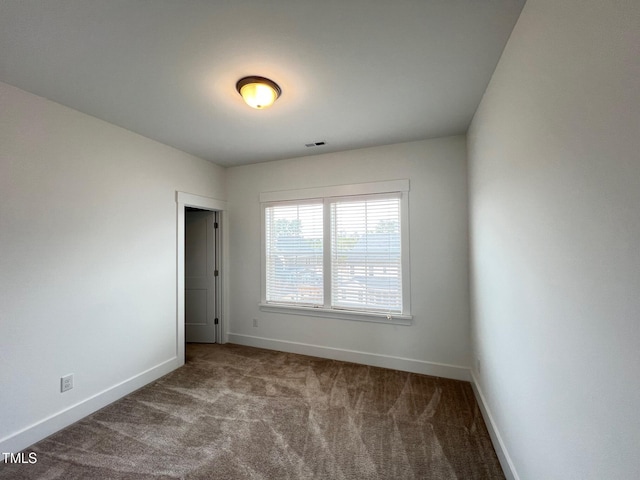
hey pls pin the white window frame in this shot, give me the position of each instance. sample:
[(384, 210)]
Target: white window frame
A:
[(326, 194)]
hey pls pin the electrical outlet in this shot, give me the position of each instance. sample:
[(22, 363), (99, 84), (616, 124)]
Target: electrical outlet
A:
[(66, 383), (255, 322)]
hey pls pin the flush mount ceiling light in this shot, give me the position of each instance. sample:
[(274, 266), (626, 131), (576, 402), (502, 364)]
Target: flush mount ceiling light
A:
[(258, 92)]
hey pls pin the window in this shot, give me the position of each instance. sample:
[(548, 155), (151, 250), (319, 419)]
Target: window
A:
[(366, 261), (342, 255), (294, 253)]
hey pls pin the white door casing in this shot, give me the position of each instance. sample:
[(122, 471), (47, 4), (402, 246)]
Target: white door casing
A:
[(184, 200)]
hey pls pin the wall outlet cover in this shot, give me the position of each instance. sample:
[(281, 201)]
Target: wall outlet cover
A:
[(66, 383)]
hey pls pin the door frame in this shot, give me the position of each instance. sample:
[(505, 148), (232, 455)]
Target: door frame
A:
[(183, 200)]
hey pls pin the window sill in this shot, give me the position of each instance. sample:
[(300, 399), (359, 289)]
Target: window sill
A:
[(395, 319)]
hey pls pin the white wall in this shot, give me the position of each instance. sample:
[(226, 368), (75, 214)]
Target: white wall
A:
[(88, 261), (439, 257), (555, 233)]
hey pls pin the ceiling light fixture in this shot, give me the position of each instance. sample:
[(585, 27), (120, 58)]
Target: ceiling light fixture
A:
[(258, 92)]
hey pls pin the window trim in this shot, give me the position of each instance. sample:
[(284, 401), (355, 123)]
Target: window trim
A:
[(325, 194)]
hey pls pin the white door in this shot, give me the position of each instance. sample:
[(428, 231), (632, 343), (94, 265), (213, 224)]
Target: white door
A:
[(200, 276)]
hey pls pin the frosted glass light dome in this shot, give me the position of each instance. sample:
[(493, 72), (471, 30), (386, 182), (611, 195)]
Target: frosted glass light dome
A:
[(258, 92)]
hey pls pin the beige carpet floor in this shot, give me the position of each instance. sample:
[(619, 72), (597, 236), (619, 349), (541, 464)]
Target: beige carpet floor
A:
[(235, 412)]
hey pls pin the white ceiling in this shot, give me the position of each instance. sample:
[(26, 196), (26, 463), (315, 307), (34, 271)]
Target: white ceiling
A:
[(354, 73)]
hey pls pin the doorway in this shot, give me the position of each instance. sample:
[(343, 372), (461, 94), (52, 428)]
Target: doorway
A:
[(217, 208)]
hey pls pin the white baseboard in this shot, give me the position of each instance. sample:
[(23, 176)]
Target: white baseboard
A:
[(22, 439), (373, 359), (501, 450)]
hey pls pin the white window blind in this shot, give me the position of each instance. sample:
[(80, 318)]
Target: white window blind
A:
[(366, 257), (294, 253)]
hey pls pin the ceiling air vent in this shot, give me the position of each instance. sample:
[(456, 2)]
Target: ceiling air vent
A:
[(315, 144)]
